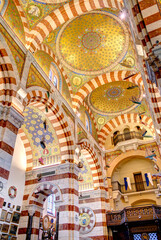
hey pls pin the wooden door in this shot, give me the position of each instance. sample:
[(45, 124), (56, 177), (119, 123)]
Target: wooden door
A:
[(138, 182)]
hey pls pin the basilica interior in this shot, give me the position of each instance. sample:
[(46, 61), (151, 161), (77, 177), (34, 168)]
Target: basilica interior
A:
[(80, 119)]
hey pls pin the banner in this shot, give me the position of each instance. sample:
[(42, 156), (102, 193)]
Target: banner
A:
[(147, 179)]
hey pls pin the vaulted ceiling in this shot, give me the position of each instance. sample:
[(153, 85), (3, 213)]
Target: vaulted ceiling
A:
[(93, 51)]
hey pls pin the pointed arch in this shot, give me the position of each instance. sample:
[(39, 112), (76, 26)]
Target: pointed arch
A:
[(63, 14), (93, 161), (103, 79), (111, 125), (40, 100)]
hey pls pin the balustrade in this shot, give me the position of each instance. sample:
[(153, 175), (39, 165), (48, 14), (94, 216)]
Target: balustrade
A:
[(126, 136), (132, 214)]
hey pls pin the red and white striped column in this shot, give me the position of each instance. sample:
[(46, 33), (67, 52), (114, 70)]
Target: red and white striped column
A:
[(10, 121)]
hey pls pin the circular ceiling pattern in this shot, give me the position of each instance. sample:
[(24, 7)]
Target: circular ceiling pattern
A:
[(113, 98), (92, 43)]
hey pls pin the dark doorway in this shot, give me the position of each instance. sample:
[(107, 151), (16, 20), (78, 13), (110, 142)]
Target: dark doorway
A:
[(139, 182)]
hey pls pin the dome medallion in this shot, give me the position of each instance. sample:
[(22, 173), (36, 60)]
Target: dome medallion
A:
[(114, 92), (92, 43)]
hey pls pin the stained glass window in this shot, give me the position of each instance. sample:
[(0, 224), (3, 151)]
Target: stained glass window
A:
[(51, 204)]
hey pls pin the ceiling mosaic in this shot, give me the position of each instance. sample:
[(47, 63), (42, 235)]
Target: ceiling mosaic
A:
[(92, 48), (36, 79), (41, 58), (34, 130), (78, 79), (113, 98), (12, 17), (35, 10)]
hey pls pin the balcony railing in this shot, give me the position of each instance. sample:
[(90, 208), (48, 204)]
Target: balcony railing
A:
[(127, 136), (50, 160), (135, 187), (132, 214)]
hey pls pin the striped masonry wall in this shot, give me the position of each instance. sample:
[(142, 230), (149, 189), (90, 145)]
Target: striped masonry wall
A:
[(155, 98), (152, 19), (64, 184), (28, 149), (98, 201), (62, 15), (112, 125), (56, 117), (10, 119), (148, 21), (94, 164), (103, 79), (142, 31)]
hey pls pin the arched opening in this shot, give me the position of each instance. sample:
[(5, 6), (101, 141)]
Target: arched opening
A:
[(126, 132), (47, 227), (43, 208)]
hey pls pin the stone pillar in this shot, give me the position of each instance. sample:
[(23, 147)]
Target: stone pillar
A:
[(69, 209), (10, 122)]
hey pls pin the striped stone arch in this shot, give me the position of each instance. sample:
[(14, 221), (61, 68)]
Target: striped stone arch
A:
[(93, 161), (49, 51), (42, 191), (103, 79), (8, 73), (40, 100), (111, 125), (91, 115), (61, 15), (22, 16), (28, 149)]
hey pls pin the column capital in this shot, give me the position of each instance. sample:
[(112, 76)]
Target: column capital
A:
[(12, 115)]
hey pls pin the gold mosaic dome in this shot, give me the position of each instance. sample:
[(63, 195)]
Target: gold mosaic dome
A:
[(92, 43), (113, 98)]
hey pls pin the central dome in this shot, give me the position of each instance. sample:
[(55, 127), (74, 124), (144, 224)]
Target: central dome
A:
[(92, 43)]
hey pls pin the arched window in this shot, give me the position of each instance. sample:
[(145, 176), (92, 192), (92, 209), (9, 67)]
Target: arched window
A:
[(88, 123), (51, 205), (55, 76), (50, 75)]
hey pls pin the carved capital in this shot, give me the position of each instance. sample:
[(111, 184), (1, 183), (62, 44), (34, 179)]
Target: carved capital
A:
[(10, 114)]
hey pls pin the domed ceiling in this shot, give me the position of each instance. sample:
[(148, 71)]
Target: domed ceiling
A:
[(92, 43), (113, 98)]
